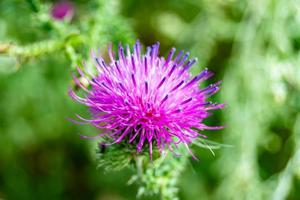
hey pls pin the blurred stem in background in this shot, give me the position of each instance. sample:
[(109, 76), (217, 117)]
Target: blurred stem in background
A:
[(94, 32), (263, 62)]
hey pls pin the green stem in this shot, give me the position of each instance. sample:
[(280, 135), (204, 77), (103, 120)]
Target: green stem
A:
[(139, 166)]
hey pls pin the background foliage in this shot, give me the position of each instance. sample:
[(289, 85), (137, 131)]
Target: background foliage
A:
[(252, 45)]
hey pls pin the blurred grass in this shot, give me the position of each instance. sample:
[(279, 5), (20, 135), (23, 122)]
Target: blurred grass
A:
[(253, 46)]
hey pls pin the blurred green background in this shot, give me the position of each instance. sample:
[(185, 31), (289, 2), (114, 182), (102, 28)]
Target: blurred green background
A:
[(252, 45)]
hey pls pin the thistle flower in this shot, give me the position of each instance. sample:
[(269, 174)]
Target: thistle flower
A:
[(147, 99), (62, 10)]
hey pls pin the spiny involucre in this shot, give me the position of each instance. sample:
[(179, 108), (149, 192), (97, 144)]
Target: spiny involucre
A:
[(147, 99)]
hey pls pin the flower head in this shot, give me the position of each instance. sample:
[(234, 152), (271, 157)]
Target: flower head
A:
[(62, 10), (147, 99)]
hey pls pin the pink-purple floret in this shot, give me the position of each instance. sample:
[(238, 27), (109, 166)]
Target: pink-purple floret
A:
[(147, 99), (62, 9)]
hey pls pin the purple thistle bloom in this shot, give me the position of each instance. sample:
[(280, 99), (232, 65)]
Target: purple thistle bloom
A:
[(62, 10), (147, 99)]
